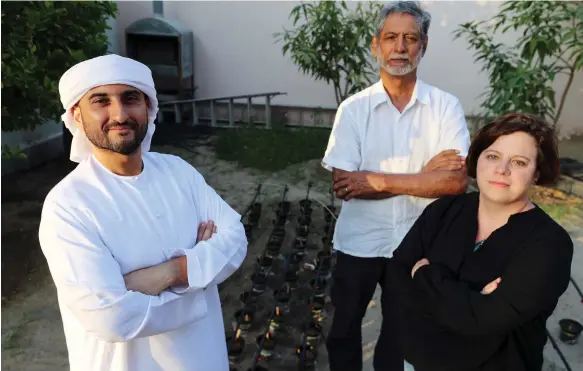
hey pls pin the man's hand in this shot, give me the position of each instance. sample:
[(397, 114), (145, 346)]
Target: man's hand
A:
[(206, 231), (491, 287), (153, 280), (352, 184), (418, 265), (448, 160)]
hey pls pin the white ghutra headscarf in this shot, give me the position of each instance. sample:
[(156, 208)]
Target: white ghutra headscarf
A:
[(105, 70)]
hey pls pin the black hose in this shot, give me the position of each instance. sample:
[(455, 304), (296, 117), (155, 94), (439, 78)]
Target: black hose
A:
[(561, 355), (577, 288)]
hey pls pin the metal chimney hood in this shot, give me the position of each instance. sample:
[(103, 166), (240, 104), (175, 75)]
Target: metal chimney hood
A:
[(158, 6)]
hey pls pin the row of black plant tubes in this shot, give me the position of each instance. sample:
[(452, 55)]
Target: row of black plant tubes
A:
[(327, 241), (323, 261), (254, 211), (253, 202), (304, 345)]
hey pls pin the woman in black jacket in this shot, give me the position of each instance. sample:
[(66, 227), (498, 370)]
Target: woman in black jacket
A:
[(474, 281)]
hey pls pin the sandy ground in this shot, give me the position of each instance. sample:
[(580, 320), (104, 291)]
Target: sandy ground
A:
[(32, 333)]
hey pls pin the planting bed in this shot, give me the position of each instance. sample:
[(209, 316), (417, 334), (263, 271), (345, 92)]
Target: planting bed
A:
[(284, 311)]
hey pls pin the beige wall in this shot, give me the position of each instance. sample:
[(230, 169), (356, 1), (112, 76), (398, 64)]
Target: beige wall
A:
[(235, 52)]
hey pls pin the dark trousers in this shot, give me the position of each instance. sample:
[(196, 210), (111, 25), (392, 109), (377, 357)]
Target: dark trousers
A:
[(354, 282)]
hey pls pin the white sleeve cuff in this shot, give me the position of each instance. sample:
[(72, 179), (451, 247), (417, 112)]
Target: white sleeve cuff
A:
[(329, 163)]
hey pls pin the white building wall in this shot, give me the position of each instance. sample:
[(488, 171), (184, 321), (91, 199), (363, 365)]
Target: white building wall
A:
[(235, 52)]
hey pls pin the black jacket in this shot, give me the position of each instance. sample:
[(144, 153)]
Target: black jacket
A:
[(443, 322)]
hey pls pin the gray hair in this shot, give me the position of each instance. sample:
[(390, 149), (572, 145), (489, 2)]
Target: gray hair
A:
[(422, 18)]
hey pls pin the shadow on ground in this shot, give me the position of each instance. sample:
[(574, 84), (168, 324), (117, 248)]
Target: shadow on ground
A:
[(23, 194)]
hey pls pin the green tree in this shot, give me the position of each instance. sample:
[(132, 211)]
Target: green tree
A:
[(40, 40), (521, 75), (332, 43)]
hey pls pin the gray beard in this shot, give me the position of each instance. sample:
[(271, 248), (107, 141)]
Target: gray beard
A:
[(399, 71)]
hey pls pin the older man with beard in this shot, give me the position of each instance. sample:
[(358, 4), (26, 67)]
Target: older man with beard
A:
[(136, 241), (394, 148)]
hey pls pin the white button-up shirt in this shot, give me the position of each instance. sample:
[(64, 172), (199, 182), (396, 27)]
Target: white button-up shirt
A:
[(97, 226), (370, 134)]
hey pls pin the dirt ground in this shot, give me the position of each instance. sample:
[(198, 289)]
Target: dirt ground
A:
[(32, 333)]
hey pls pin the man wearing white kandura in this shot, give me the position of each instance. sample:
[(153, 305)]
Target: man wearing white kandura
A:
[(395, 147), (136, 241)]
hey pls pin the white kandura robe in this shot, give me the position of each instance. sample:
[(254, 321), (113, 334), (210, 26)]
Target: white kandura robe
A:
[(97, 226)]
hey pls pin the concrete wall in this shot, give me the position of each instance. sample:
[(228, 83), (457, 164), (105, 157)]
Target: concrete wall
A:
[(46, 141), (235, 52)]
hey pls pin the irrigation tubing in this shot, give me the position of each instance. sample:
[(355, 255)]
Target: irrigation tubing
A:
[(561, 355), (577, 288), (325, 207)]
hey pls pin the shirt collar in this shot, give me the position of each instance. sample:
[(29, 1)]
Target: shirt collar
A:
[(420, 93)]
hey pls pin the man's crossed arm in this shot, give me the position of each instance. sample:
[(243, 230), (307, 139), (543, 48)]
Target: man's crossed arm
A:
[(155, 279), (444, 174)]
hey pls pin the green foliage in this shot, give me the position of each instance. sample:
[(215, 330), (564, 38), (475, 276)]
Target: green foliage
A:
[(270, 150), (332, 43), (521, 75), (40, 41), (10, 153), (560, 213)]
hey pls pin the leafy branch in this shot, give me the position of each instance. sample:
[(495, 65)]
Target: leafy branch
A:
[(521, 75), (41, 40), (332, 43)]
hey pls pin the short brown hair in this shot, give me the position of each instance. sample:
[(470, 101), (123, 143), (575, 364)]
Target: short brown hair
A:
[(547, 159)]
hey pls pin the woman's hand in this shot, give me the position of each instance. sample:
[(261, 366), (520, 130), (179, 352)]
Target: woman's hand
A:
[(491, 287), (418, 265)]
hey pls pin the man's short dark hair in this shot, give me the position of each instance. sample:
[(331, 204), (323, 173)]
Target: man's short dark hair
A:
[(547, 159)]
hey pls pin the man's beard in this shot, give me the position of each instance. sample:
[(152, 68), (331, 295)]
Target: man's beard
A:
[(100, 138), (399, 71)]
